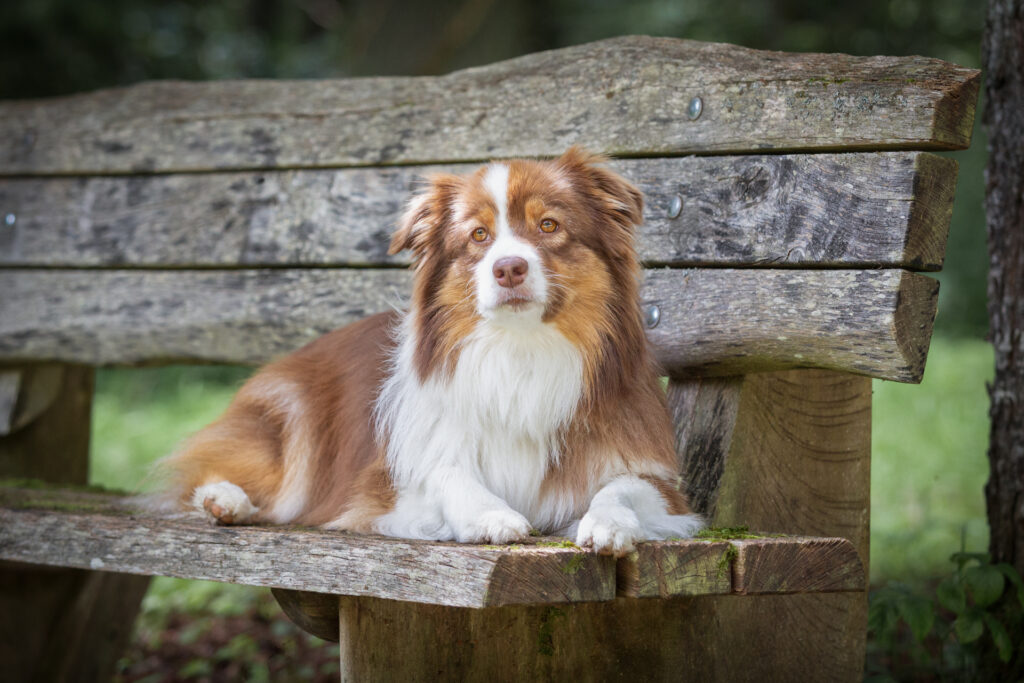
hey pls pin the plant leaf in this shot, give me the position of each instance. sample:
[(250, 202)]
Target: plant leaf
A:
[(1000, 636), (969, 627), (986, 584), (919, 615), (1010, 572), (963, 558), (951, 595)]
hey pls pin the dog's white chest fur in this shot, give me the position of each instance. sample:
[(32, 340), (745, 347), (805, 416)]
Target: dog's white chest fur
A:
[(498, 416), (515, 390)]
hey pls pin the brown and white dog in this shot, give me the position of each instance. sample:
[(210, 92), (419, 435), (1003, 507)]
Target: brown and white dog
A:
[(516, 392)]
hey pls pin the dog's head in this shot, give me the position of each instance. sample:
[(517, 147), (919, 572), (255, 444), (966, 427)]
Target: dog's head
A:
[(520, 243)]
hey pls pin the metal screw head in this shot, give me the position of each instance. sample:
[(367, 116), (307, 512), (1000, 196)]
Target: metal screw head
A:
[(675, 207), (652, 316), (695, 108), (10, 218)]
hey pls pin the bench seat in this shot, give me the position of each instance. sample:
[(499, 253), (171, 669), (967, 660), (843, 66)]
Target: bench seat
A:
[(112, 532)]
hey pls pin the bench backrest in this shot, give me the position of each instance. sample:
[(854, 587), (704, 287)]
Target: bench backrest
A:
[(789, 201)]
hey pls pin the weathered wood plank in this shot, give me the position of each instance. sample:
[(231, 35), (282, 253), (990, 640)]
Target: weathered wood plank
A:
[(731, 322), (886, 209), (675, 568), (770, 564), (98, 531), (779, 565), (110, 532), (624, 96), (713, 321)]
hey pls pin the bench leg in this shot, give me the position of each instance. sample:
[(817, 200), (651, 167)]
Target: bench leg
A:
[(691, 639), (627, 640), (786, 452), (57, 624)]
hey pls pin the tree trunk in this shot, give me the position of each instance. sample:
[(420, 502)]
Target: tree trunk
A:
[(1003, 54)]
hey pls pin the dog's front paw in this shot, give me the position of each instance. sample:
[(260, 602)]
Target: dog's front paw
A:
[(611, 530), (495, 526), (223, 503)]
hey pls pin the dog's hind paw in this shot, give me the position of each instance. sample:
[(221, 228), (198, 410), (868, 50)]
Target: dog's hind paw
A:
[(223, 503)]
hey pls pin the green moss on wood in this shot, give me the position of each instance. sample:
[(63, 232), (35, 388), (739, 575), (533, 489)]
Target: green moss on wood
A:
[(546, 632), (574, 564), (828, 81), (725, 561), (730, 533)]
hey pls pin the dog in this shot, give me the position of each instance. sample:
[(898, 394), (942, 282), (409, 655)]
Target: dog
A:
[(516, 393)]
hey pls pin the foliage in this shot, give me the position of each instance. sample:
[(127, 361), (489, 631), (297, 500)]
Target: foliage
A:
[(204, 631), (948, 633)]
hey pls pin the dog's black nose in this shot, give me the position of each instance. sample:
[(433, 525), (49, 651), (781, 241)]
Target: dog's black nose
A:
[(510, 271)]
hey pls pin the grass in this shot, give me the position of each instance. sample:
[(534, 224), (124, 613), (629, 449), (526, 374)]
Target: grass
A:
[(928, 467), (929, 464), (140, 415)]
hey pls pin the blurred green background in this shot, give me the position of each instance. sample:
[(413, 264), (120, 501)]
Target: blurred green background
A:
[(930, 441)]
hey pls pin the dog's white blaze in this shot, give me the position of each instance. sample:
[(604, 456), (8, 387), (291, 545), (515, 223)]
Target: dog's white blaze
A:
[(504, 244), (479, 442), (496, 182)]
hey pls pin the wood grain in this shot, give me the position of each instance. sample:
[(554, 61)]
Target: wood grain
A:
[(670, 639), (675, 568), (102, 532), (792, 454), (730, 322), (703, 414), (824, 210), (773, 564), (623, 96), (713, 321), (779, 565)]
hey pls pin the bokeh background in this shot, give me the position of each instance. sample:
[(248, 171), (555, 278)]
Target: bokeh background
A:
[(930, 441)]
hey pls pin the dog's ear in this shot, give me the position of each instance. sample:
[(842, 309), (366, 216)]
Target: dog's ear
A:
[(618, 198), (427, 211), (618, 201)]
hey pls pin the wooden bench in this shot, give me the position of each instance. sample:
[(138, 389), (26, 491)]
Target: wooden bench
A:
[(791, 204)]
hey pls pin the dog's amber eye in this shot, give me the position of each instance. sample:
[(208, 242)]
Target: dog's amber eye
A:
[(548, 225), (479, 235)]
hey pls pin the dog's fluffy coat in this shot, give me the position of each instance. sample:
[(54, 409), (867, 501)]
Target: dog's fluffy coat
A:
[(517, 391)]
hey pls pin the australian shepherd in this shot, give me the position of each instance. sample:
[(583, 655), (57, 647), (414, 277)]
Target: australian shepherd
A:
[(516, 393)]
